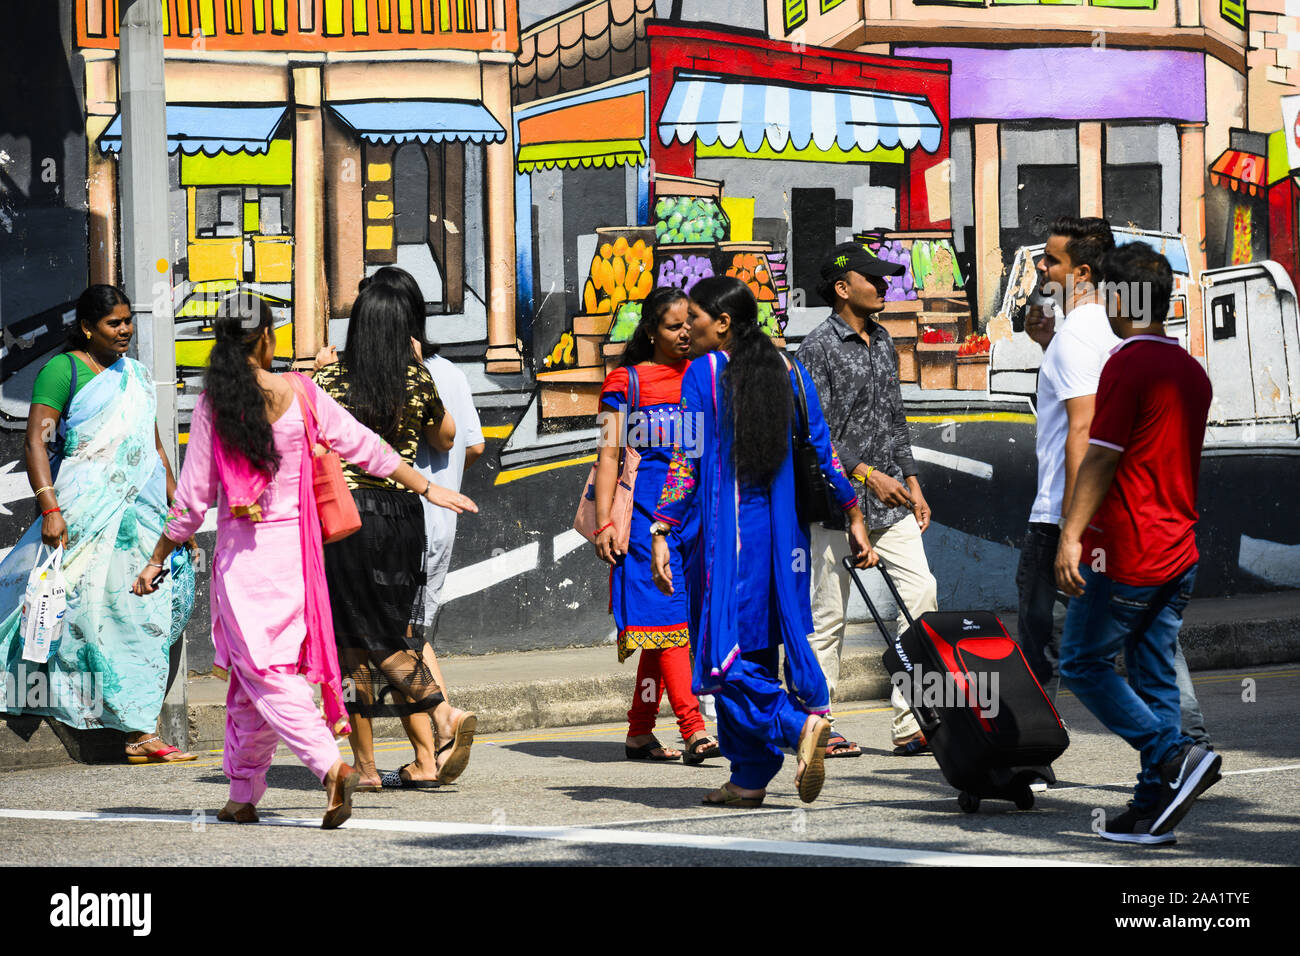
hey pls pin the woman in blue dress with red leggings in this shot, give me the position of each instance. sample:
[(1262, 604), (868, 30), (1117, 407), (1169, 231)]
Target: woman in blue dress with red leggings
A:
[(641, 409)]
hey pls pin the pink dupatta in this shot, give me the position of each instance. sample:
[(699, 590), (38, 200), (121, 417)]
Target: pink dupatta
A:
[(243, 484)]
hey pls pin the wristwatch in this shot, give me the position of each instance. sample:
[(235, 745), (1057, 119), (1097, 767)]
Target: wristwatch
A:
[(660, 528)]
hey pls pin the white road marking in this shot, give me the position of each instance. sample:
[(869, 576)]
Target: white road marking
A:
[(13, 486), (477, 577), (863, 804), (969, 466), (566, 543), (875, 854)]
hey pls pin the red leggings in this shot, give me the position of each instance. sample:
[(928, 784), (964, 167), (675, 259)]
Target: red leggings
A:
[(670, 668)]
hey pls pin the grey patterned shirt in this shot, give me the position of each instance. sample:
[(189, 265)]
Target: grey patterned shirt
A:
[(857, 383)]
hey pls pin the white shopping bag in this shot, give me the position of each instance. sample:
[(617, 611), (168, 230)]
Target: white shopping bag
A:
[(44, 603)]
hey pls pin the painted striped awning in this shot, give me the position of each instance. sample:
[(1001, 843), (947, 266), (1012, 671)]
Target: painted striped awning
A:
[(608, 153), (714, 109), (208, 129), (1244, 172), (425, 121)]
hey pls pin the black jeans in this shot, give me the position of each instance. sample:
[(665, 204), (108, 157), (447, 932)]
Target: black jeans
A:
[(1037, 633), (1040, 637)]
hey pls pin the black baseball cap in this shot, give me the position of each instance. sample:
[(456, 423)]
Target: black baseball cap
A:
[(852, 257)]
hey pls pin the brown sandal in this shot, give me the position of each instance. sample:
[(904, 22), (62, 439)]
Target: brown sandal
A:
[(340, 808), (247, 813)]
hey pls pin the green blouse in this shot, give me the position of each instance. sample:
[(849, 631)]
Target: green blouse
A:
[(54, 382)]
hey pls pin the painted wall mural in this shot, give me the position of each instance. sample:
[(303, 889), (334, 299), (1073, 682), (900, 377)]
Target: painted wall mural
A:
[(540, 165)]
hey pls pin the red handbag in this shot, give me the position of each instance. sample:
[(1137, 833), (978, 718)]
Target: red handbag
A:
[(334, 505)]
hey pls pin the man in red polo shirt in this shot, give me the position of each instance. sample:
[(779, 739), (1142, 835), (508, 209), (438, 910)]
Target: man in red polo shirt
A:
[(1128, 546)]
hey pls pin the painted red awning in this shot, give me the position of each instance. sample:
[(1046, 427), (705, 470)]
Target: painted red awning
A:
[(1244, 172)]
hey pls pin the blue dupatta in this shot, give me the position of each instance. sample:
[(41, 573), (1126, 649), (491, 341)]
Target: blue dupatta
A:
[(109, 669)]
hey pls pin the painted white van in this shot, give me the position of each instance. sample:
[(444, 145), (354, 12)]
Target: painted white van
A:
[(1241, 322)]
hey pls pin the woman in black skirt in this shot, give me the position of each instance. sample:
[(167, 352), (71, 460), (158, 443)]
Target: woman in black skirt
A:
[(376, 576)]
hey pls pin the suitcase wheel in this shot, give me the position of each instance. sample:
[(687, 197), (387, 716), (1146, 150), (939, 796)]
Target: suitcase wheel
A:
[(969, 802), (1025, 799)]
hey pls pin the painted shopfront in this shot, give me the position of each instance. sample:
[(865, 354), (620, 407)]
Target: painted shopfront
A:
[(539, 165)]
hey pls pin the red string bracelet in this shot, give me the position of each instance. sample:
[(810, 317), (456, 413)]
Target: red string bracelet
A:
[(50, 512), (607, 524)]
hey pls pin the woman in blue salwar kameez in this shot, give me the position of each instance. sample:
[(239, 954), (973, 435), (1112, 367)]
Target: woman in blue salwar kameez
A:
[(750, 586)]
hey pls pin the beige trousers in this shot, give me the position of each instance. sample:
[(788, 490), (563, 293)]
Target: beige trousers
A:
[(900, 548)]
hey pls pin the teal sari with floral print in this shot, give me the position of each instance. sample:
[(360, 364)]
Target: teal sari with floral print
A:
[(109, 669)]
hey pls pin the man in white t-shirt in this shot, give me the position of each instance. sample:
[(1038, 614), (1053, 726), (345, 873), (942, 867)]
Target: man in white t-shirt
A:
[(1073, 356), (446, 469)]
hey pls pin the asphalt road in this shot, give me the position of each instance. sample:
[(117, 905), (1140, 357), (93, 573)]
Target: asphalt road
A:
[(567, 797)]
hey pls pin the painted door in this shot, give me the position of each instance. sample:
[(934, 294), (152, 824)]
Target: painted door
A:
[(812, 237)]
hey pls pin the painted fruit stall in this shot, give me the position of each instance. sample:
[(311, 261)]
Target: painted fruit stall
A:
[(689, 239), (926, 310)]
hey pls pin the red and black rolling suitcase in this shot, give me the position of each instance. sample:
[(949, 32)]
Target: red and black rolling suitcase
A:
[(983, 713)]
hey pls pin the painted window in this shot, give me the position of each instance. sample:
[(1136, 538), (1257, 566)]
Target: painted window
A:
[(796, 14), (1234, 11), (829, 5), (1130, 4), (218, 213)]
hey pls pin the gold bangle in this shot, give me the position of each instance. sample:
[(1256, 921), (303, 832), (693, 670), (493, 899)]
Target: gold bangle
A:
[(40, 491)]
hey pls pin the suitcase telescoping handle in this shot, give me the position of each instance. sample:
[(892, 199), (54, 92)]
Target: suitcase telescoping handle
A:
[(926, 717), (889, 582)]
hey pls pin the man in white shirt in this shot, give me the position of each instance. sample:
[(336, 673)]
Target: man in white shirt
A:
[(1069, 273), (446, 469)]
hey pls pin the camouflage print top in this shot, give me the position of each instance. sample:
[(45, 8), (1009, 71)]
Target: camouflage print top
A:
[(857, 382), (423, 407)]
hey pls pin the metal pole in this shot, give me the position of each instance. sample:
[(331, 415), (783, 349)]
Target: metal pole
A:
[(146, 252)]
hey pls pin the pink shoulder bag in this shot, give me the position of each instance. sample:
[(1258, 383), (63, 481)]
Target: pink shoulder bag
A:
[(584, 522)]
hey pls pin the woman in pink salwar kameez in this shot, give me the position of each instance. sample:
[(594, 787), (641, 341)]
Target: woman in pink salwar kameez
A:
[(271, 623)]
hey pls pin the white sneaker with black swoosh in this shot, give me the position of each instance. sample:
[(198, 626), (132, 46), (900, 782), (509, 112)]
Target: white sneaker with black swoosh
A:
[(1182, 780)]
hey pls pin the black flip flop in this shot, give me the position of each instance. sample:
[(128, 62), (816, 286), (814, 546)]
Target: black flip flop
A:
[(647, 752), (393, 780), (700, 751)]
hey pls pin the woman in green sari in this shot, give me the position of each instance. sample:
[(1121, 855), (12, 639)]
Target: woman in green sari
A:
[(105, 505)]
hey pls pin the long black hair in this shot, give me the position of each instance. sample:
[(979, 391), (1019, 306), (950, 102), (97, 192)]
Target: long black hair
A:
[(375, 358), (405, 283), (755, 379), (238, 402), (92, 305), (640, 348)]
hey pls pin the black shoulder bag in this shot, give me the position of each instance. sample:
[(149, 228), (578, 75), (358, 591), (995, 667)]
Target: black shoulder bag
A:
[(814, 497)]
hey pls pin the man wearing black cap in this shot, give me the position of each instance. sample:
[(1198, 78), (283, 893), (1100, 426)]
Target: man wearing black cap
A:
[(852, 361)]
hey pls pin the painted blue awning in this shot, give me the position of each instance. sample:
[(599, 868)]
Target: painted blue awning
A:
[(209, 129), (714, 109), (425, 121)]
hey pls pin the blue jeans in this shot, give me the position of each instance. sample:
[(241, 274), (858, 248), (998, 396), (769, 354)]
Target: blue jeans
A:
[(1143, 622)]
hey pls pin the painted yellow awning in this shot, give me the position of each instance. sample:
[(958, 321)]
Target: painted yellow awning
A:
[(609, 153)]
